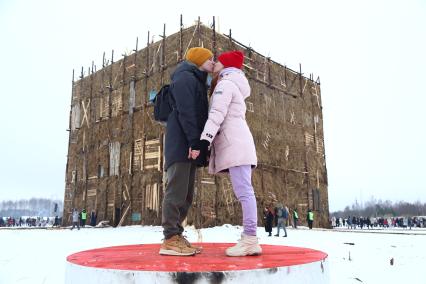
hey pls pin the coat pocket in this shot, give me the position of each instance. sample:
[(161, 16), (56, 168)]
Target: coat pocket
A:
[(221, 140)]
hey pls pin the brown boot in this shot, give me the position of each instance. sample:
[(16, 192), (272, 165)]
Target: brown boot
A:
[(176, 246), (197, 249)]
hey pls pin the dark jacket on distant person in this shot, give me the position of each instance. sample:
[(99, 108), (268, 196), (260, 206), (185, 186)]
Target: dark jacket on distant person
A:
[(186, 122), (269, 217)]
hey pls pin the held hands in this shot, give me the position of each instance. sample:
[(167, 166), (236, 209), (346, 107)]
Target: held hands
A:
[(193, 154), (197, 148)]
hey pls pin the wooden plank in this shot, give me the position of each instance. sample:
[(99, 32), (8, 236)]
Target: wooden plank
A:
[(152, 155), (152, 142), (91, 192)]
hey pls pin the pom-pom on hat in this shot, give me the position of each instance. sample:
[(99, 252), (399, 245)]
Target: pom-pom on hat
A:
[(198, 55), (233, 58)]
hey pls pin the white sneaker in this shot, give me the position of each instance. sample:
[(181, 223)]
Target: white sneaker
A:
[(247, 245)]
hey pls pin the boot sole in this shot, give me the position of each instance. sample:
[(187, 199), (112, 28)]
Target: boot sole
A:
[(175, 253), (249, 254), (255, 253)]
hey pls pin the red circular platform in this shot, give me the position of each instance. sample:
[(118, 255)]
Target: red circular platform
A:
[(145, 257)]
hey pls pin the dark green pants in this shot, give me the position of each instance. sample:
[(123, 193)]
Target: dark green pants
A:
[(177, 197)]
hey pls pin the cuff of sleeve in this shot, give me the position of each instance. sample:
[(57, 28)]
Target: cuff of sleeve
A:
[(194, 143), (207, 136), (200, 145)]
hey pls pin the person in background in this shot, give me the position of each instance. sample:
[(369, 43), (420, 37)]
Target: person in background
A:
[(56, 222), (310, 218), (349, 222), (333, 222), (75, 219), (295, 218), (93, 218), (83, 218), (268, 218), (282, 214)]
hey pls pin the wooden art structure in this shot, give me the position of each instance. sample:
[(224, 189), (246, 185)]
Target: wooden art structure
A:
[(115, 151)]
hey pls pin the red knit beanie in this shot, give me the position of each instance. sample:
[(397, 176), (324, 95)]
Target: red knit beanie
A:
[(233, 58)]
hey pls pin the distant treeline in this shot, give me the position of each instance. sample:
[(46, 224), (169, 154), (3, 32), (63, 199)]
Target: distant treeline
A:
[(379, 208), (43, 207)]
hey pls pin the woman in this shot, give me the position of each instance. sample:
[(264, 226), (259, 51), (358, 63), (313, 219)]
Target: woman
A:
[(268, 216), (233, 148)]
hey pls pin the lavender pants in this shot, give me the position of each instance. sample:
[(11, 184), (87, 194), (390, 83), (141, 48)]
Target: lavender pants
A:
[(241, 184)]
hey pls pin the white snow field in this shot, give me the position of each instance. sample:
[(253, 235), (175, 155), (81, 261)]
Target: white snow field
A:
[(39, 255)]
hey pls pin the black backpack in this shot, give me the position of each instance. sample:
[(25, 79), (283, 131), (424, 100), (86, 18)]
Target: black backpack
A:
[(163, 104)]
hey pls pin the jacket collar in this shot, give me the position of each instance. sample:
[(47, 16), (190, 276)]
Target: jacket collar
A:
[(229, 70), (190, 67)]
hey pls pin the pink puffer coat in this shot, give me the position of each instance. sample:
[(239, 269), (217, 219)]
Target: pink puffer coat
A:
[(226, 128)]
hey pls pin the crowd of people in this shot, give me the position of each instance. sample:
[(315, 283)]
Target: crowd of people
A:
[(354, 222), (279, 217), (79, 219), (26, 221)]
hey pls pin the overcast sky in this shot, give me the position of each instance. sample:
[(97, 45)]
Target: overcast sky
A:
[(370, 55)]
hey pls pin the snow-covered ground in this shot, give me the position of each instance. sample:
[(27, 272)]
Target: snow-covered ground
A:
[(38, 255)]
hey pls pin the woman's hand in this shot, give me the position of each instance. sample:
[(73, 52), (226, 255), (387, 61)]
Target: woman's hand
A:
[(196, 148)]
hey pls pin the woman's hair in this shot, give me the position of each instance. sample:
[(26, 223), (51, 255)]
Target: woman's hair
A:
[(213, 84)]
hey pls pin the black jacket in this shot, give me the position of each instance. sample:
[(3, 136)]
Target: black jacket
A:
[(268, 217), (186, 122)]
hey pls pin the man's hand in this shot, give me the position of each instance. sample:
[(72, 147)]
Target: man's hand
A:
[(193, 154)]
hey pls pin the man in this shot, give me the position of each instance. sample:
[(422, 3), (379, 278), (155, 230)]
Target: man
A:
[(184, 126), (75, 217), (83, 218), (56, 223), (282, 215), (295, 218), (310, 218)]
